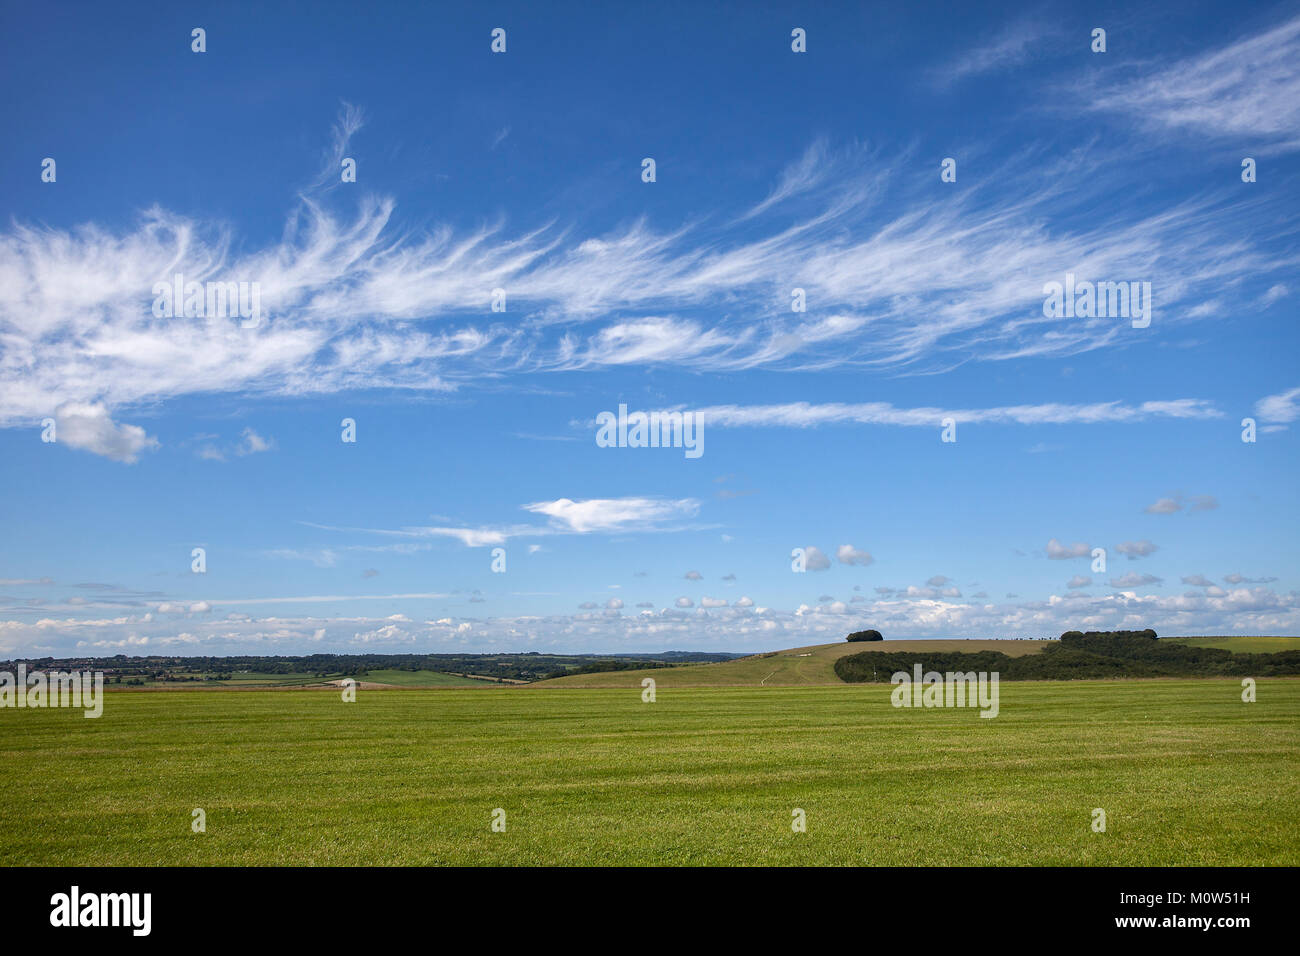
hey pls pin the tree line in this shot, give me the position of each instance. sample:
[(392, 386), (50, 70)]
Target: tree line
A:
[(1079, 656)]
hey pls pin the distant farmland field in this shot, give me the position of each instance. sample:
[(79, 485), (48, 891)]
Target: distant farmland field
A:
[(1244, 645), (1186, 772), (399, 678)]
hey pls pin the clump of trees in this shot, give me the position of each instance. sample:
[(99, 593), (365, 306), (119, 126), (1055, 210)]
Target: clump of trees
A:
[(1078, 656), (1075, 636), (864, 636)]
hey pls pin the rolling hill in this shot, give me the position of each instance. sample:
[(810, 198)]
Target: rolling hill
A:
[(799, 666), (1242, 645)]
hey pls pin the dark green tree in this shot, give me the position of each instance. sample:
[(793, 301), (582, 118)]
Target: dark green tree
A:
[(864, 636)]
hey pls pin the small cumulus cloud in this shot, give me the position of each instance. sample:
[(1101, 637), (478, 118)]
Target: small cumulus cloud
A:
[(1176, 503), (1134, 580), (847, 554), (1240, 579), (815, 559), (1136, 549), (88, 426), (1064, 552)]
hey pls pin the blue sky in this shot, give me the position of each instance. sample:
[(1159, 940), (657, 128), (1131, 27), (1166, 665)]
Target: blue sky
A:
[(522, 171)]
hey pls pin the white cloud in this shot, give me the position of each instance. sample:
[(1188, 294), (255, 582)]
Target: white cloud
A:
[(1137, 549), (1280, 409), (1274, 294), (321, 557), (639, 515), (1062, 552), (1240, 610), (807, 415), (1247, 90), (1236, 579), (1012, 45), (251, 443), (815, 559), (797, 178), (1133, 580), (366, 302), (88, 426), (1176, 503), (847, 554), (613, 514)]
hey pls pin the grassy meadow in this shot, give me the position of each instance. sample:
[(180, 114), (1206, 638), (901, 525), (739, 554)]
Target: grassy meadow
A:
[(1186, 772)]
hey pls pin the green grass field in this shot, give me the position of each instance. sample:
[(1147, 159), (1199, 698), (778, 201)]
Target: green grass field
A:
[(256, 680), (398, 678), (799, 666), (1186, 772)]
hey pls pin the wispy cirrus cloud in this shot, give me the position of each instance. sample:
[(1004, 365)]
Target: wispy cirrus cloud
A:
[(798, 178), (1278, 411), (1248, 90), (613, 514), (1024, 39), (348, 124), (567, 516), (811, 415), (896, 278)]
